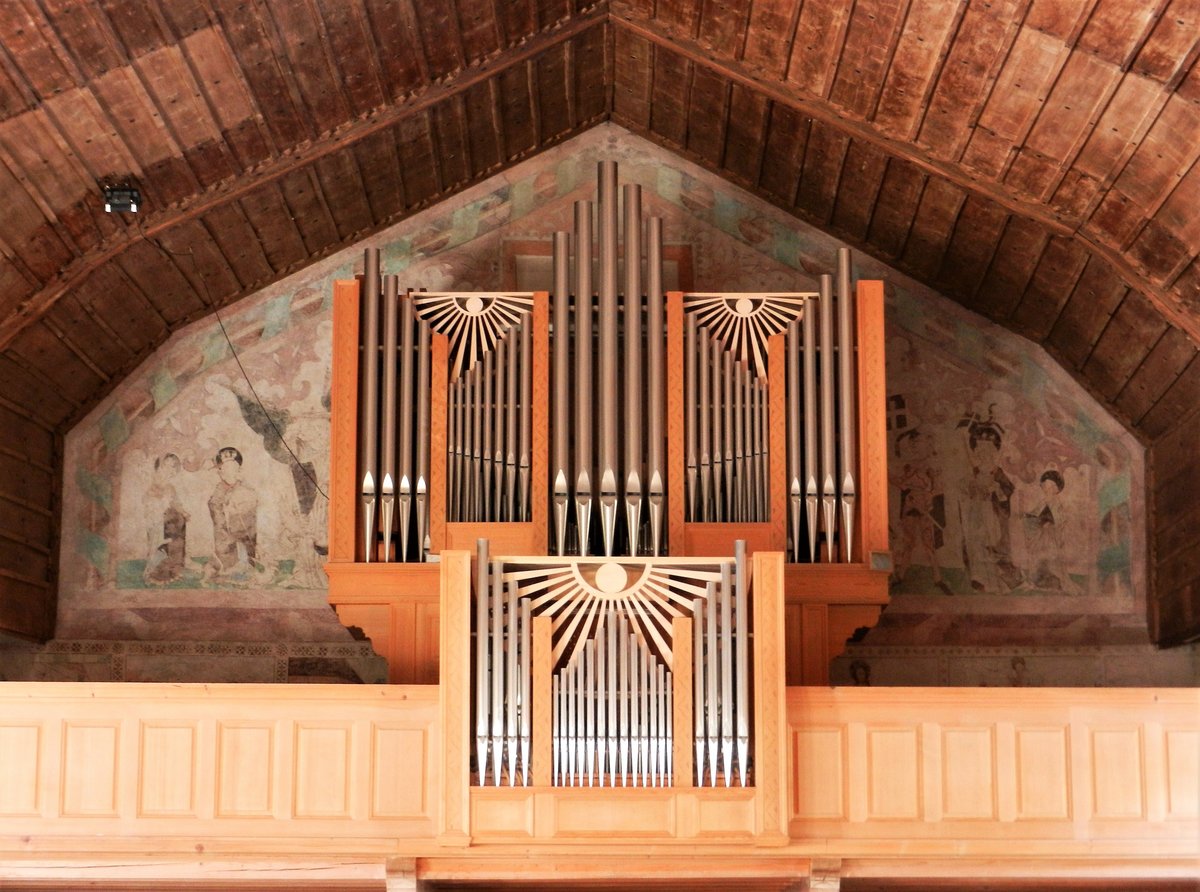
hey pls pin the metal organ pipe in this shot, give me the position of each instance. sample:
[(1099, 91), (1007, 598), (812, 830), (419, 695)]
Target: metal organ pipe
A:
[(846, 403), (656, 464), (828, 419), (633, 362), (404, 501), (369, 394), (811, 471), (583, 371), (424, 336), (560, 472), (608, 351), (523, 463)]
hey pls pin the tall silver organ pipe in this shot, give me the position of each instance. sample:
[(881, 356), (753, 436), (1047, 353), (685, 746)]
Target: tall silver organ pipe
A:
[(424, 337), (560, 471), (828, 434), (812, 491), (407, 405), (633, 363), (584, 404), (387, 465), (368, 432), (846, 404), (608, 352), (656, 466)]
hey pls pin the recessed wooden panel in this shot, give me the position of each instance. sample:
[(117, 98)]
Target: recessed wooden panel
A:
[(968, 774), (245, 770), (19, 769), (637, 815), (168, 771), (89, 781), (819, 773), (322, 768), (399, 769), (1183, 774), (893, 773), (508, 814), (725, 816), (1118, 785), (1042, 777)]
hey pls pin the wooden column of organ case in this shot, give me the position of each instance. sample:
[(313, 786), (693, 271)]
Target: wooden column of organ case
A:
[(611, 528)]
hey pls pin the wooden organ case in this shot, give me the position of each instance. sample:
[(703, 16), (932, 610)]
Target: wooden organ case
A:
[(611, 523)]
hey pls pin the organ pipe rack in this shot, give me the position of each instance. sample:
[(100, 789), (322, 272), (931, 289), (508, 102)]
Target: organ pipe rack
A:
[(631, 470)]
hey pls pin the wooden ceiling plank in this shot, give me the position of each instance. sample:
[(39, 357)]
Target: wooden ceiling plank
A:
[(393, 27), (164, 286), (769, 34), (1094, 299), (861, 178), (183, 18), (306, 62), (201, 262), (441, 37), (1053, 281), (1165, 363), (554, 100), (633, 78), (721, 24), (75, 25), (980, 47), (1012, 266), (136, 24), (820, 36), (268, 216), (551, 12), (745, 140), (480, 29), (38, 349), (518, 20), (928, 238), (28, 440), (36, 240), (168, 78), (895, 207), (707, 116), (228, 96), (977, 233), (872, 36), (89, 332), (592, 54), (1172, 46), (105, 377), (342, 186), (31, 394), (415, 144), (1084, 87), (164, 177), (1130, 112), (1016, 99), (516, 102), (1176, 407), (450, 126), (376, 159), (670, 96), (109, 294), (254, 56), (824, 157), (1117, 29), (310, 212), (1127, 339), (353, 53), (481, 112), (227, 227), (55, 180), (16, 96), (1170, 147), (43, 61)]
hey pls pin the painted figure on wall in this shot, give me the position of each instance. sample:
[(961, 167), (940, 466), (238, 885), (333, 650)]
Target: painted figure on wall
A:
[(166, 531), (922, 505), (1046, 530), (986, 507), (233, 506)]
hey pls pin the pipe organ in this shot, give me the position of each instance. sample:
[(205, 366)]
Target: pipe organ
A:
[(617, 464)]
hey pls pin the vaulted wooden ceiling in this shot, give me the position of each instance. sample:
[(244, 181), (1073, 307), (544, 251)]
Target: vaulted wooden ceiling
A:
[(1033, 159)]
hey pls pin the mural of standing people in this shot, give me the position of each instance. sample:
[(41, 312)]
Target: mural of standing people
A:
[(166, 530), (233, 507), (986, 507)]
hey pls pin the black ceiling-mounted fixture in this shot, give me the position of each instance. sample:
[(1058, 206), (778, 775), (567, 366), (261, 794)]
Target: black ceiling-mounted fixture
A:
[(121, 199)]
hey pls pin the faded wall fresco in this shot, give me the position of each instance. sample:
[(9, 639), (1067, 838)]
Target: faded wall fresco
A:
[(167, 534)]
